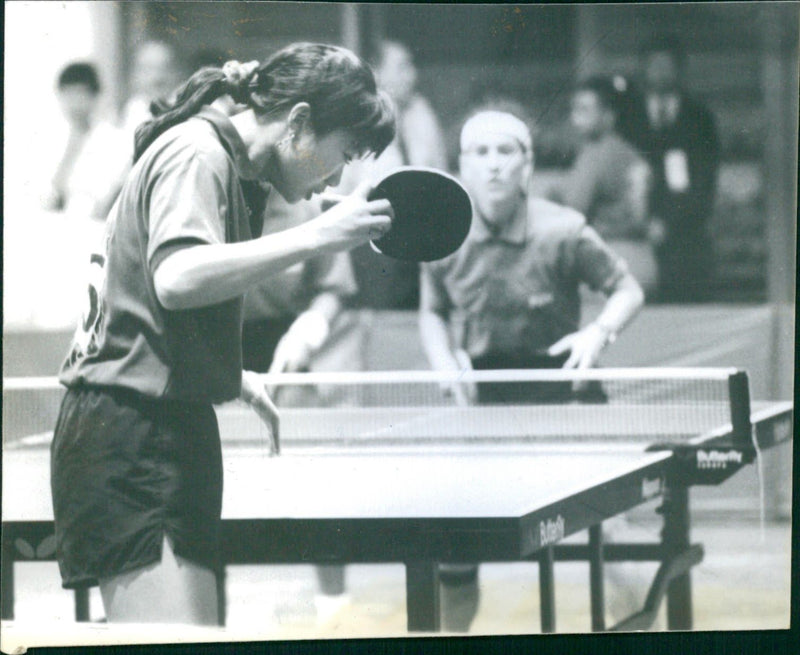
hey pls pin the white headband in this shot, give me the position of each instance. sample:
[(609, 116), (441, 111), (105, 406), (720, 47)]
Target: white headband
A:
[(495, 122)]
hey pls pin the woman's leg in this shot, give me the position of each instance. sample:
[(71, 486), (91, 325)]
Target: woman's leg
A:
[(460, 596), (173, 590)]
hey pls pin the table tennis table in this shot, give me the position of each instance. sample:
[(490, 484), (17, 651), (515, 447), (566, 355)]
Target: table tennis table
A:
[(427, 483)]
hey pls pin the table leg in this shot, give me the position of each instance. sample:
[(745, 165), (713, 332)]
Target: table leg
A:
[(222, 597), (547, 590), (676, 539), (596, 589), (7, 580), (82, 605), (422, 596)]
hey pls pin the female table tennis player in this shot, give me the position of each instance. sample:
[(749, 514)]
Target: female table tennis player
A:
[(136, 463)]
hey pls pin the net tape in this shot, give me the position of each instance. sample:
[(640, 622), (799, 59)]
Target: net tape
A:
[(409, 407)]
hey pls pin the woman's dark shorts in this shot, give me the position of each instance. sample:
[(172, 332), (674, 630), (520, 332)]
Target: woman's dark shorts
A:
[(127, 470)]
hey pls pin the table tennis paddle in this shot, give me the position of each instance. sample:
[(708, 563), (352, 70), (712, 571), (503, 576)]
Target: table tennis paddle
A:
[(432, 214)]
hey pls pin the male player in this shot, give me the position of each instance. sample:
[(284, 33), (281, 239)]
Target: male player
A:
[(509, 297)]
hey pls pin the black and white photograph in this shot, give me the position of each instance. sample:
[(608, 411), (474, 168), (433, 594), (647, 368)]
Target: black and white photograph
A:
[(344, 321)]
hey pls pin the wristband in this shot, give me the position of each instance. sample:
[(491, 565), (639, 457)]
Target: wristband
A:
[(313, 327)]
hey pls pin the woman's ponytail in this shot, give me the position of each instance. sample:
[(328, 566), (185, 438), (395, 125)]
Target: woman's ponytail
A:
[(205, 86), (339, 87)]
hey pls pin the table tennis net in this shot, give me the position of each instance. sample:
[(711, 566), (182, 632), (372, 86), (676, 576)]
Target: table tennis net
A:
[(406, 408)]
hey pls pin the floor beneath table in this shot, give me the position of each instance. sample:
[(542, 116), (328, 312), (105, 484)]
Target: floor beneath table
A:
[(279, 601)]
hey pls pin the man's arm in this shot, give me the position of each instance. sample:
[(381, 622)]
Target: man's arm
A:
[(586, 345), (588, 257), (623, 304), (436, 341), (433, 323)]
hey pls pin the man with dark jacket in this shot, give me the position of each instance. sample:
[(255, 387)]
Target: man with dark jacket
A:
[(677, 135)]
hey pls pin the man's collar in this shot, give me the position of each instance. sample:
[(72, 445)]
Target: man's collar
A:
[(230, 138), (514, 231)]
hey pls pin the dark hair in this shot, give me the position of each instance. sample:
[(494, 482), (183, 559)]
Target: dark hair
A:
[(339, 87), (82, 73), (603, 88)]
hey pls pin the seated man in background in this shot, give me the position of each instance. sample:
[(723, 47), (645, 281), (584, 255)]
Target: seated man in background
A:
[(94, 156), (508, 298), (608, 182)]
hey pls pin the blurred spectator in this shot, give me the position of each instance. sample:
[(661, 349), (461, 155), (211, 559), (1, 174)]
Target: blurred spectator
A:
[(155, 75), (419, 138), (93, 157), (290, 318), (677, 135), (386, 283), (609, 180)]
